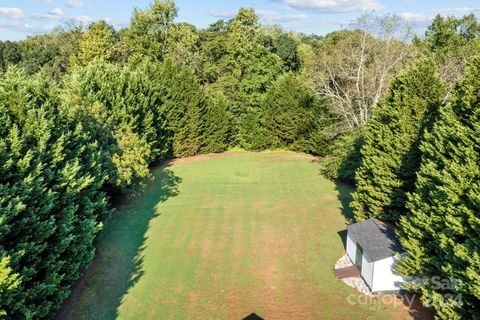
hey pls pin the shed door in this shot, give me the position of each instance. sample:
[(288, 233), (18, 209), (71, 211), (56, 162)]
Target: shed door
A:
[(359, 257)]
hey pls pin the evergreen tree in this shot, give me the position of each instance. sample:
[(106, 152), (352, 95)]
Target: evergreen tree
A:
[(287, 113), (9, 281), (183, 106), (161, 102), (216, 125), (252, 133), (390, 155), (108, 99), (442, 232), (319, 137), (131, 160), (51, 203)]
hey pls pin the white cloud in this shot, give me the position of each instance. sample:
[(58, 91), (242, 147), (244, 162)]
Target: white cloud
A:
[(14, 26), (12, 13), (75, 3), (46, 1), (27, 29), (81, 19), (116, 23), (222, 14), (332, 6), (429, 15), (54, 14), (274, 16), (56, 11), (413, 16), (267, 15), (460, 10), (57, 14)]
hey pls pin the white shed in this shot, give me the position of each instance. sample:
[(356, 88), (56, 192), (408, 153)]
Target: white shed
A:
[(372, 248)]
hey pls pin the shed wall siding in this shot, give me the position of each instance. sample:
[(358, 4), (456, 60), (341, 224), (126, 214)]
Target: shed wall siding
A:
[(351, 248), (367, 269), (385, 278)]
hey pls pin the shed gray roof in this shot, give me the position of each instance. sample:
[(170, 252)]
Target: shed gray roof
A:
[(377, 240)]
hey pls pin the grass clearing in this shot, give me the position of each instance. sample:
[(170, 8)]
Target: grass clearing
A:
[(224, 236)]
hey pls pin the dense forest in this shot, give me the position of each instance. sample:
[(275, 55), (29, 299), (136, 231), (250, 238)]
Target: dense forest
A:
[(86, 111)]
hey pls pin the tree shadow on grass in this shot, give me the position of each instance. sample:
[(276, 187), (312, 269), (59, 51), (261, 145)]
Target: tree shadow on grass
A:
[(416, 309), (118, 263), (344, 195)]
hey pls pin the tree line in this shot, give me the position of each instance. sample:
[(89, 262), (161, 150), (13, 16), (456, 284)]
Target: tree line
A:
[(85, 112)]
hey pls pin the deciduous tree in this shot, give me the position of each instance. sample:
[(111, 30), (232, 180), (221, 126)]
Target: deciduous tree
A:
[(149, 30), (96, 43), (353, 68)]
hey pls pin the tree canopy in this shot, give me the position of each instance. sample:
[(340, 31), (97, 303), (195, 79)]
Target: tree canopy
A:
[(85, 111)]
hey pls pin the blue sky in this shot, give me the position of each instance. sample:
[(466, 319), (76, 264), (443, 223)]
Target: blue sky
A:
[(21, 18)]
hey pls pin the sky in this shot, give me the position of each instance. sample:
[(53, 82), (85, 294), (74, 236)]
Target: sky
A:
[(22, 18)]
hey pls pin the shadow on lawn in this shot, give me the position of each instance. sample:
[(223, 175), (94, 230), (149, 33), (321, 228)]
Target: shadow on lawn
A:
[(345, 197), (118, 263)]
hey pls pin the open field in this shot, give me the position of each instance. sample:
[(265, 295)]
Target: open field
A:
[(224, 236)]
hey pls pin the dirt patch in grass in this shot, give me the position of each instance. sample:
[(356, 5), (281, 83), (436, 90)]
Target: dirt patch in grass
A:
[(209, 156)]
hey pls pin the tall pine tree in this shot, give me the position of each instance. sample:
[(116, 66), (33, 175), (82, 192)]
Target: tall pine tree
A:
[(442, 232), (183, 105), (287, 113), (217, 125), (390, 155)]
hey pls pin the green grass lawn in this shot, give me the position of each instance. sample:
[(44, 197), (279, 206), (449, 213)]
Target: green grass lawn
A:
[(221, 237)]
